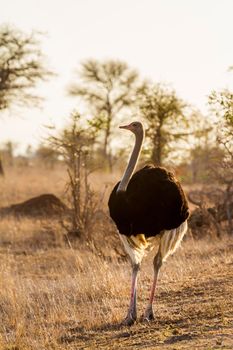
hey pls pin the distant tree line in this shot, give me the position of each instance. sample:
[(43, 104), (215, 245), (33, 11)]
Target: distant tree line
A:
[(112, 92), (177, 135)]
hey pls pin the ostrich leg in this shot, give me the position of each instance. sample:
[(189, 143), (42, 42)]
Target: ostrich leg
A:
[(148, 315), (169, 242), (132, 311)]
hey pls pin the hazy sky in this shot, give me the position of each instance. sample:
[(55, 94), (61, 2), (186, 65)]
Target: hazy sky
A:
[(187, 43)]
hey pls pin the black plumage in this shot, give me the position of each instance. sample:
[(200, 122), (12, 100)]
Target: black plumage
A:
[(153, 201)]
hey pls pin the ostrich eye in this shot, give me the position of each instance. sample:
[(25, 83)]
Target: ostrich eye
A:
[(134, 124)]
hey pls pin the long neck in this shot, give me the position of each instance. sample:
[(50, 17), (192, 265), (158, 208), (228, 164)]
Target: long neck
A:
[(132, 163)]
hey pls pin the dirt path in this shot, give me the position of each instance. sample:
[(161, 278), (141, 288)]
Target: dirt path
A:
[(198, 316)]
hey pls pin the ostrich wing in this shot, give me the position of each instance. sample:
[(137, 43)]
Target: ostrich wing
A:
[(154, 201)]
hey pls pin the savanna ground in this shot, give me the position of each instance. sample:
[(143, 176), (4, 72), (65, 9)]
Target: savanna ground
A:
[(62, 294)]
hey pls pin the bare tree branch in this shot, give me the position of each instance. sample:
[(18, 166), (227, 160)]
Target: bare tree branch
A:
[(21, 67)]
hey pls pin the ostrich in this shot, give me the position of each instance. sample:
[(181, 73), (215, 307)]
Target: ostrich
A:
[(148, 208)]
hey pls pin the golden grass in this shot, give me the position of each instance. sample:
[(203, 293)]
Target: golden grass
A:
[(20, 184), (56, 295), (46, 291)]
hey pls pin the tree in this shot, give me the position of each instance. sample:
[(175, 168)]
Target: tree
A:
[(202, 160), (163, 112), (7, 152), (107, 87), (21, 68), (46, 156), (74, 145), (222, 105)]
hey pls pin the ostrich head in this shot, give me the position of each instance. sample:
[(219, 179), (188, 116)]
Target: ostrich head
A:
[(135, 127)]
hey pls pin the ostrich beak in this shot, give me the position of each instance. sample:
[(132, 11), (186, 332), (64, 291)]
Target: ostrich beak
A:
[(125, 127)]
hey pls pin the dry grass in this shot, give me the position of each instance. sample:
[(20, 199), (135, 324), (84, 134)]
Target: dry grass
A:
[(45, 288), (20, 184), (59, 296)]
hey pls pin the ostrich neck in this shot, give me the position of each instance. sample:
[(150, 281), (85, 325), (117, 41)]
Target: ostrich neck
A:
[(132, 164)]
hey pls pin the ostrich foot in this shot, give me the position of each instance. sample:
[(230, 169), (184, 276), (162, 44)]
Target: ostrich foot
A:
[(148, 315), (129, 320)]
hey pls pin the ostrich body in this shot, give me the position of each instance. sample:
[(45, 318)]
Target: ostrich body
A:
[(148, 208)]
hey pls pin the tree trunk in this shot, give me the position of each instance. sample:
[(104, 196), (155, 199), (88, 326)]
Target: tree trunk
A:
[(2, 173), (107, 151), (229, 208), (157, 147)]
